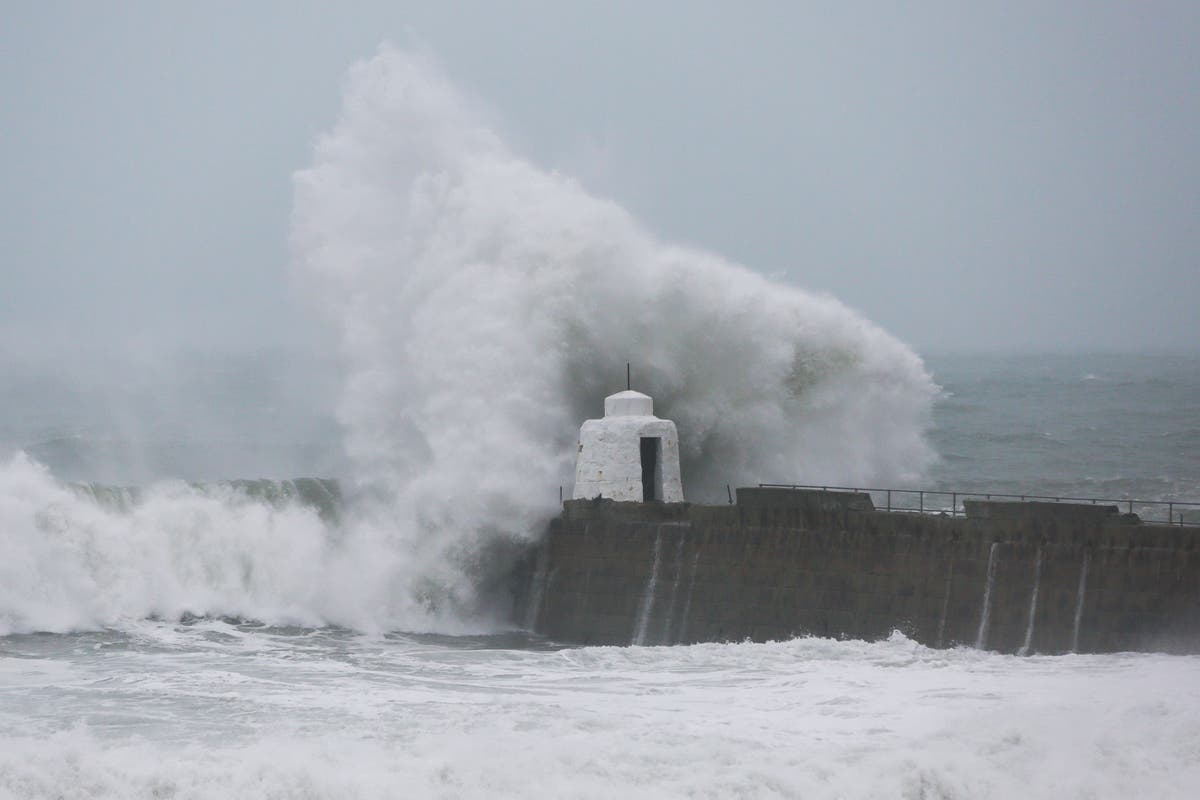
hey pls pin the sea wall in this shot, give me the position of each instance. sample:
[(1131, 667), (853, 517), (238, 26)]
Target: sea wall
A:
[(1009, 577)]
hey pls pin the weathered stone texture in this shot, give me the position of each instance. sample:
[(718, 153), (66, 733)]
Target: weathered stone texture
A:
[(770, 569)]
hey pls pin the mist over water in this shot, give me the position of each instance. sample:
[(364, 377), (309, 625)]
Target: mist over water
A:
[(482, 308), (130, 417), (166, 631), (485, 307)]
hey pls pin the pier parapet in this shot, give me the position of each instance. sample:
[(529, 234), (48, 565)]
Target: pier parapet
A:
[(1013, 577)]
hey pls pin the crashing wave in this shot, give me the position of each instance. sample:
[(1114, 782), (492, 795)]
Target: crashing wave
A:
[(484, 307)]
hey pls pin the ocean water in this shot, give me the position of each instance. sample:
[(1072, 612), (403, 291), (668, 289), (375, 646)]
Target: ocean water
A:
[(1098, 425), (135, 696), (169, 632), (215, 709)]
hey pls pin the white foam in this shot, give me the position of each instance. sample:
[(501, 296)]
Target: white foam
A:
[(72, 563), (485, 307), (807, 718)]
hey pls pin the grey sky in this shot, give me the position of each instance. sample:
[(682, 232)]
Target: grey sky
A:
[(979, 175)]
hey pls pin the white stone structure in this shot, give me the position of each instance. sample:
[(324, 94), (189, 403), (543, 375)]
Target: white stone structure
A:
[(629, 455)]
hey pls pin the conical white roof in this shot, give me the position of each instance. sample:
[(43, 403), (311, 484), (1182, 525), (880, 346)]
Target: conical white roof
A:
[(629, 404)]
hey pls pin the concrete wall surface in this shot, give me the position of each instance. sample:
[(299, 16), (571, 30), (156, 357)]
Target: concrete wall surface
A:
[(1012, 579)]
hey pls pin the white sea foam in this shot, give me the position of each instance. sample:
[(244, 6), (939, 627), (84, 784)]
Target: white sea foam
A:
[(484, 308), (213, 711), (71, 562)]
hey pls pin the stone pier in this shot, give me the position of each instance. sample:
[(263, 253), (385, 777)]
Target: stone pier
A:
[(781, 563)]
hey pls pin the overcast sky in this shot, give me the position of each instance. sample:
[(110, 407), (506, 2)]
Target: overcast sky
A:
[(968, 174)]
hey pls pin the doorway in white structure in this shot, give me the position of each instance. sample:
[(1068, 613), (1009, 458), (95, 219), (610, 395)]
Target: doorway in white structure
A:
[(651, 468)]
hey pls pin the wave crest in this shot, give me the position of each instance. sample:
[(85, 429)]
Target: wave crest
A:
[(486, 306)]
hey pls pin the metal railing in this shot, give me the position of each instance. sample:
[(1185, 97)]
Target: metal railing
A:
[(925, 501)]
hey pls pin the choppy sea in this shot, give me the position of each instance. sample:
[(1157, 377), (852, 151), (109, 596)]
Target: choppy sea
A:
[(145, 701)]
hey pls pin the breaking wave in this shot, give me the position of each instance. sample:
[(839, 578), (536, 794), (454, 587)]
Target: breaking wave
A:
[(79, 557), (484, 307)]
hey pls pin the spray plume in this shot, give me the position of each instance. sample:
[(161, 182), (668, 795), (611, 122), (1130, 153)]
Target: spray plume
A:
[(484, 307)]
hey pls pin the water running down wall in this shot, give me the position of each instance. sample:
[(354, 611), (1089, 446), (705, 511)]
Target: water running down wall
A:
[(780, 564)]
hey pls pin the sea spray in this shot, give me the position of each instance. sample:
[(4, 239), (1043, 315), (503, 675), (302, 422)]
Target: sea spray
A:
[(80, 558), (671, 604), (646, 607), (484, 307), (214, 710), (985, 613), (322, 495), (681, 636), (1079, 598), (75, 557), (941, 633), (537, 588), (1033, 601)]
